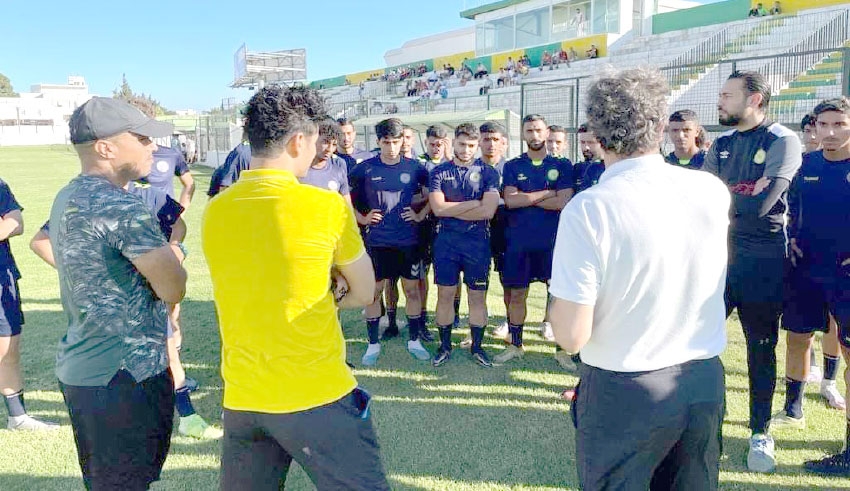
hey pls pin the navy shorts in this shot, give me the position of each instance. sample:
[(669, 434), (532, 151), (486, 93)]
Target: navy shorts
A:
[(11, 315), (810, 300), (523, 267), (451, 257), (396, 262), (498, 241)]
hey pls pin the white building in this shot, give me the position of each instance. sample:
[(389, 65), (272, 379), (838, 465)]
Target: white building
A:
[(40, 117)]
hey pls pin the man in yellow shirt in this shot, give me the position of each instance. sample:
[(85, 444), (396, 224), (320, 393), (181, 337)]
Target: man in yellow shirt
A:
[(271, 245)]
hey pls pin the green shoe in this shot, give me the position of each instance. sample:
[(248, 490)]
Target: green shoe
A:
[(196, 427)]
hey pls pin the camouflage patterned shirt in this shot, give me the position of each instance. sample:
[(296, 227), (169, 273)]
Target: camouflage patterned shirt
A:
[(115, 320)]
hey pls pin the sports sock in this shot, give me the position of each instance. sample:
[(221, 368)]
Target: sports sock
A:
[(794, 397), (183, 402), (413, 327), (813, 357), (372, 328), (477, 337), (516, 334), (15, 404), (391, 317), (445, 338), (830, 367)]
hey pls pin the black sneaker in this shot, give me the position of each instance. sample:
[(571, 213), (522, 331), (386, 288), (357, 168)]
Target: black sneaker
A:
[(441, 357), (390, 332), (481, 358), (425, 335), (833, 465)]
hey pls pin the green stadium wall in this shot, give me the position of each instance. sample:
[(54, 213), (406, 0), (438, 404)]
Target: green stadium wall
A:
[(704, 15)]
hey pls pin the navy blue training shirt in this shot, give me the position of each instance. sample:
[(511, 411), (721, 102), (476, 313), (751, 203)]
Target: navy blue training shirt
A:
[(167, 163), (694, 163), (819, 203), (166, 209), (333, 176), (391, 189), (227, 174), (532, 226), (8, 203), (460, 183)]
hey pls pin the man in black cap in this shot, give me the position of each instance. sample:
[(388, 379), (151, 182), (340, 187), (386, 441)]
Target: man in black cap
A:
[(116, 271)]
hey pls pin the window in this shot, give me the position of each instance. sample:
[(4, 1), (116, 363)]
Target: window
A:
[(494, 36), (532, 28), (571, 19)]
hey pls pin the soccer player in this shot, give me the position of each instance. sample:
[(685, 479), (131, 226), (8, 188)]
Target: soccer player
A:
[(11, 380), (556, 142), (116, 274), (288, 394), (757, 161), (537, 186), (820, 251), (464, 197), (167, 163), (683, 128), (167, 212), (228, 173), (408, 139), (588, 172), (327, 170), (637, 286), (389, 184), (347, 151), (817, 242), (808, 126)]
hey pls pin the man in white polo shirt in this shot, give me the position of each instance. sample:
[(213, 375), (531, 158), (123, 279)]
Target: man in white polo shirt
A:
[(637, 286)]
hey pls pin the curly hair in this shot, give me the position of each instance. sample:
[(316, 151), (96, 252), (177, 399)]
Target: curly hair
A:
[(329, 128), (838, 104), (468, 130), (275, 113), (627, 110)]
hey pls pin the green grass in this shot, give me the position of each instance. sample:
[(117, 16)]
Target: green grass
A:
[(457, 428)]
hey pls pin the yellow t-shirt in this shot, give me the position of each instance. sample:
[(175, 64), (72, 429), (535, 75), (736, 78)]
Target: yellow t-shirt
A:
[(270, 243)]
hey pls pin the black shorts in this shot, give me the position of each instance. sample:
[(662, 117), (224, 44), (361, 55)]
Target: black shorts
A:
[(755, 280), (396, 262), (471, 257), (498, 240), (11, 314), (810, 300), (523, 267), (335, 444), (426, 240), (123, 430)]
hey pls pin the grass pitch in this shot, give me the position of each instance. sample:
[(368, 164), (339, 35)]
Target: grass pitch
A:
[(457, 428)]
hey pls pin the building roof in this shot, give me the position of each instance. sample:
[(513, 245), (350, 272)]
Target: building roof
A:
[(489, 7)]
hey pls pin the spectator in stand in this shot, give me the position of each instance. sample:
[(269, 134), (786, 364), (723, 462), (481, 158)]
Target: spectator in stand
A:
[(481, 70), (510, 65), (502, 80), (488, 84), (592, 52), (578, 21), (573, 55), (758, 11), (524, 60), (547, 61), (776, 10), (411, 87), (450, 69)]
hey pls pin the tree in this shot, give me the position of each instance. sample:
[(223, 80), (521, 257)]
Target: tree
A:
[(6, 87), (145, 103)]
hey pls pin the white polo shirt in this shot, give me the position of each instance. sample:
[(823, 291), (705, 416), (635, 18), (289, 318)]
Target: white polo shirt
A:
[(647, 248)]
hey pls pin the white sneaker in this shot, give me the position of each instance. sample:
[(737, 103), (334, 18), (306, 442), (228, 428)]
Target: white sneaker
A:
[(370, 358), (829, 391), (502, 331), (781, 421), (815, 375), (548, 335), (27, 422), (761, 457)]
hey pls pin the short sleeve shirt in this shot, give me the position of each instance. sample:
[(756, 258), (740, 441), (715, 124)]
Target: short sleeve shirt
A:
[(165, 208), (464, 183), (333, 176), (533, 227), (8, 204), (115, 321), (694, 162), (270, 244), (167, 163), (238, 160), (391, 189)]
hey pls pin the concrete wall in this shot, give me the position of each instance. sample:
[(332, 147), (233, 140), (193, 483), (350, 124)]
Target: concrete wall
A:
[(715, 13), (33, 135), (436, 46)]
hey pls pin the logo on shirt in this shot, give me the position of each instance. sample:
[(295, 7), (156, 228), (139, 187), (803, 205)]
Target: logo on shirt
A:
[(553, 174), (521, 177), (162, 166), (357, 161), (474, 177), (404, 178), (377, 179), (848, 177), (759, 157), (333, 185), (724, 154), (815, 178)]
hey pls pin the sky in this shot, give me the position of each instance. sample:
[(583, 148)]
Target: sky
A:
[(181, 51)]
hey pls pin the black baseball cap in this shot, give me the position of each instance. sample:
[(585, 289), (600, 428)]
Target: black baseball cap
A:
[(102, 117)]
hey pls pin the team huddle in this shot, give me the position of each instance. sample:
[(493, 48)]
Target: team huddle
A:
[(644, 257)]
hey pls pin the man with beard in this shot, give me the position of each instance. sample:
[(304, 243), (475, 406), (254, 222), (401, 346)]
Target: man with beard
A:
[(588, 172), (537, 186), (556, 142), (347, 151), (683, 128), (464, 196), (757, 161)]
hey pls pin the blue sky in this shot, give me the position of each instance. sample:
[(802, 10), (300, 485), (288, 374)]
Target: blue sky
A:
[(181, 52)]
